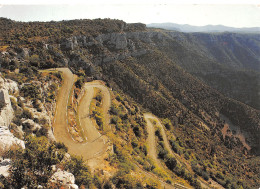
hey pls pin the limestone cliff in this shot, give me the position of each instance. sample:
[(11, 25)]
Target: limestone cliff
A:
[(7, 113)]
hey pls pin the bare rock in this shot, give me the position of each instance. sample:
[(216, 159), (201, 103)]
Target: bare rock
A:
[(65, 179), (4, 167), (69, 44), (120, 41), (25, 52), (66, 158), (7, 139), (11, 85), (30, 124), (7, 113)]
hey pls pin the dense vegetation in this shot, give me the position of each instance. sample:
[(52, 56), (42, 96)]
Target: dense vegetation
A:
[(34, 165)]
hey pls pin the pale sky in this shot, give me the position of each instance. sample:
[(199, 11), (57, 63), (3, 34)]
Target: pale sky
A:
[(180, 12)]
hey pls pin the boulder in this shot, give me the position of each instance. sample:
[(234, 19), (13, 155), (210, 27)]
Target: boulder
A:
[(7, 139), (30, 124), (4, 167), (11, 85), (69, 44), (66, 157), (64, 178), (24, 53), (7, 113)]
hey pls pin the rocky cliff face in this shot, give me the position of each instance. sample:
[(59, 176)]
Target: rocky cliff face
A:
[(7, 139), (108, 47), (7, 113)]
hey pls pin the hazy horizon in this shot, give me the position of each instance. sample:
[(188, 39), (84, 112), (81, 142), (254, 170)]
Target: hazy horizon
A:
[(237, 16)]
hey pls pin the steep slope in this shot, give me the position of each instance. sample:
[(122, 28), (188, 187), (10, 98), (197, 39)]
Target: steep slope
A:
[(228, 62), (170, 92), (145, 67)]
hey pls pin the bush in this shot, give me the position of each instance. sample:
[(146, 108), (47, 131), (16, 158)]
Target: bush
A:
[(31, 91), (126, 181), (170, 162), (99, 97), (220, 176), (159, 134), (80, 170), (115, 120), (194, 182), (186, 156), (205, 175), (58, 75), (43, 131), (137, 131), (113, 110), (162, 152), (167, 123), (176, 147), (27, 114), (119, 98), (100, 121), (32, 167), (79, 83), (153, 184)]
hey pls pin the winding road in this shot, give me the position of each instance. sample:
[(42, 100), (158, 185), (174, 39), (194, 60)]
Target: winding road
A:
[(151, 137), (151, 141), (96, 144)]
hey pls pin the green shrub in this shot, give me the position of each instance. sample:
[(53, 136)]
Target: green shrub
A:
[(186, 156), (79, 83), (119, 98), (162, 152), (80, 170), (58, 75), (128, 181), (113, 110), (159, 134), (98, 97), (167, 123), (30, 90), (205, 175), (137, 131), (32, 167), (170, 162), (27, 114), (43, 131), (115, 120), (100, 121)]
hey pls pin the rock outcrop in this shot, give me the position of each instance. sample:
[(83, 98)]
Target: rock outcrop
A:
[(107, 47), (64, 179), (4, 167), (7, 139), (7, 113)]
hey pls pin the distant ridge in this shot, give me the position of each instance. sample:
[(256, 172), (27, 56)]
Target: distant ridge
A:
[(207, 28)]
